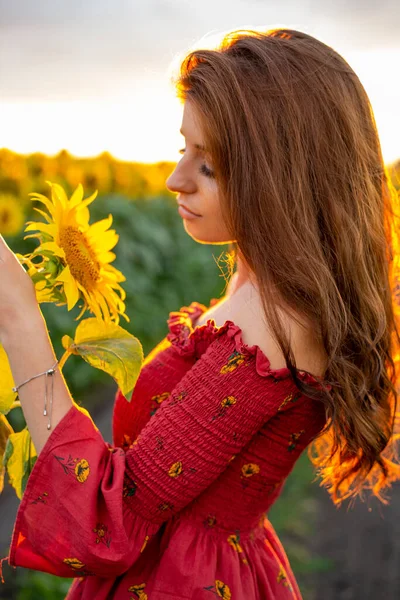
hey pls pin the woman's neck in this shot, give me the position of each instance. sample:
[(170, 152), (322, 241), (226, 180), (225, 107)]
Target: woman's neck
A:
[(243, 273)]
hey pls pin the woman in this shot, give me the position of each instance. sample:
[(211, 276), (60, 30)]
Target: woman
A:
[(282, 159)]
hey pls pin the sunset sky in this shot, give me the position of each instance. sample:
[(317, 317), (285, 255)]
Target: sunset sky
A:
[(94, 76)]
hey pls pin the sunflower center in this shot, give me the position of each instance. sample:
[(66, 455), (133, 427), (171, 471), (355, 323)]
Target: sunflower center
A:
[(80, 257)]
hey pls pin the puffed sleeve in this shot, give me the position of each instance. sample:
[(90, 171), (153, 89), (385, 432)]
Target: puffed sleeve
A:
[(90, 508), (162, 369)]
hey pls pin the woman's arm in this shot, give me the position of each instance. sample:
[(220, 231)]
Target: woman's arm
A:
[(30, 352), (24, 337)]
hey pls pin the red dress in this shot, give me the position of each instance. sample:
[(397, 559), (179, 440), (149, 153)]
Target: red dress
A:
[(175, 508)]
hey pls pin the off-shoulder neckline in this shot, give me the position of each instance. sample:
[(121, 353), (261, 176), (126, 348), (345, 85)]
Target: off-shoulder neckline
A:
[(188, 337)]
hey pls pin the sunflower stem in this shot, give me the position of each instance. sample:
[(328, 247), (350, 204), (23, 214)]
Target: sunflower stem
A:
[(64, 359)]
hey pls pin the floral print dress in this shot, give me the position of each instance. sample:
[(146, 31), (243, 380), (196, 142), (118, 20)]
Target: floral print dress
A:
[(176, 507)]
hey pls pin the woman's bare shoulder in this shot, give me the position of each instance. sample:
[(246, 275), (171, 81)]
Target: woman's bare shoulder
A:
[(245, 310), (218, 312), (308, 350)]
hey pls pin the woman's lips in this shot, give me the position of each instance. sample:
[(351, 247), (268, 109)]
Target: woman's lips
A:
[(186, 213)]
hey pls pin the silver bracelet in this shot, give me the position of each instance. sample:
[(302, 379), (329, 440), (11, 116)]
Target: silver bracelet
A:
[(48, 372)]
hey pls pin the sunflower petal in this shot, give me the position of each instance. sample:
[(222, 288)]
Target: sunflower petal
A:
[(64, 275), (76, 197), (108, 240), (82, 217), (32, 235), (116, 286), (71, 292), (46, 227), (89, 200), (84, 308), (100, 227), (48, 204), (89, 302), (45, 295), (70, 287), (115, 275), (60, 194), (106, 257), (94, 307), (103, 305), (41, 212), (53, 247), (59, 198)]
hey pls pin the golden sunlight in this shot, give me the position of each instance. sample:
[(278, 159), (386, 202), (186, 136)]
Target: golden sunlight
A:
[(377, 70), (142, 123)]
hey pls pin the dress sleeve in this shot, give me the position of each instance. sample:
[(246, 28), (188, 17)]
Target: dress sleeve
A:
[(162, 369), (90, 508)]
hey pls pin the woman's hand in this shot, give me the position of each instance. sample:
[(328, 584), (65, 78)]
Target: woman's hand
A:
[(18, 303)]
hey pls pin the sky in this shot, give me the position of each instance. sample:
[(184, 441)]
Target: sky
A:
[(95, 75)]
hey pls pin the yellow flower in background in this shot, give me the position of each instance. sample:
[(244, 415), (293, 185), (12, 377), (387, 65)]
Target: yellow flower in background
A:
[(75, 256), (12, 216)]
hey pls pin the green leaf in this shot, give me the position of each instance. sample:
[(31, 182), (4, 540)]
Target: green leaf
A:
[(19, 459), (108, 347), (27, 472), (7, 396), (5, 431)]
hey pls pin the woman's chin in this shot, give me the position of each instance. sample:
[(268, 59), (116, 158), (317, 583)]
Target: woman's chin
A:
[(203, 236)]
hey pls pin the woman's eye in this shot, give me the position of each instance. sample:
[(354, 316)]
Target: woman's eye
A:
[(204, 170)]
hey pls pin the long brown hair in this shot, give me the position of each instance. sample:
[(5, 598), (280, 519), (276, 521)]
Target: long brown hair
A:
[(308, 199)]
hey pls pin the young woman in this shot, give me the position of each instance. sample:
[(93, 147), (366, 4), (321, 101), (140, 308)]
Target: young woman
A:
[(283, 160)]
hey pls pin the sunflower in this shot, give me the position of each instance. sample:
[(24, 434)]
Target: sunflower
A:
[(11, 215), (75, 256)]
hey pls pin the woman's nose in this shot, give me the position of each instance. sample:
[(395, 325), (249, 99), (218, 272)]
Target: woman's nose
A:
[(179, 181)]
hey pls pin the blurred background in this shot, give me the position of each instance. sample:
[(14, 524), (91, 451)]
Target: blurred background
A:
[(85, 96)]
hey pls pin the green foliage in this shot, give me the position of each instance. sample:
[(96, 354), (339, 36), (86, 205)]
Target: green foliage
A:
[(19, 459), (25, 584)]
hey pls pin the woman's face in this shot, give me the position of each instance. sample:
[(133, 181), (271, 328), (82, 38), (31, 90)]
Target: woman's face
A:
[(193, 179)]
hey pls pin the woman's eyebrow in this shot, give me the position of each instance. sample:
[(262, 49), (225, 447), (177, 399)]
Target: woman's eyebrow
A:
[(198, 146)]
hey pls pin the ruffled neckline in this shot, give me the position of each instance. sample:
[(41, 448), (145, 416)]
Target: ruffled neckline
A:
[(190, 340)]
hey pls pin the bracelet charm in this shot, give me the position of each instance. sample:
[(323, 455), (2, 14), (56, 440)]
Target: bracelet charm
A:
[(50, 372)]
